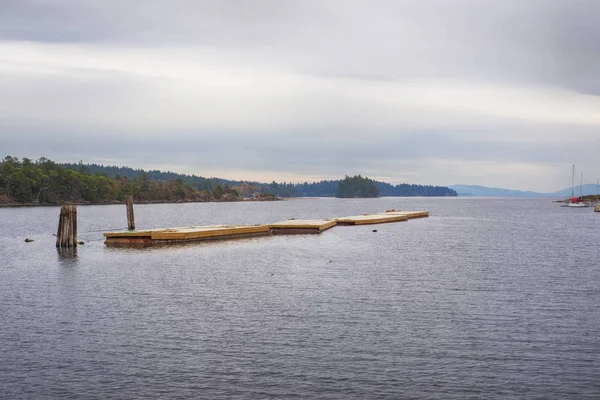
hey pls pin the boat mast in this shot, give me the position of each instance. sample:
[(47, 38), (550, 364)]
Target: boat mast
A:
[(573, 183), (581, 186)]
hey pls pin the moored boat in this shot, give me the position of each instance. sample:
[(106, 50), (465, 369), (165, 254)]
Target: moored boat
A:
[(576, 202)]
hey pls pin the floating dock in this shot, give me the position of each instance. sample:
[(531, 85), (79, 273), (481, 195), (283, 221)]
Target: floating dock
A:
[(409, 214), (381, 218), (145, 238), (151, 237), (302, 226), (370, 219)]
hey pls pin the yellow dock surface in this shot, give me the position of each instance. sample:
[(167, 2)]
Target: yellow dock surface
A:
[(149, 237), (409, 214), (380, 218), (302, 226), (370, 219), (174, 235)]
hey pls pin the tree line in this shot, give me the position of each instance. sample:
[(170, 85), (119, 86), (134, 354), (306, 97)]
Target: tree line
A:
[(324, 188), (44, 181)]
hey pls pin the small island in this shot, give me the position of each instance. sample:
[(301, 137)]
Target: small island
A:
[(357, 187)]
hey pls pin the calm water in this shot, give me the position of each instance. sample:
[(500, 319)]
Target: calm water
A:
[(487, 298)]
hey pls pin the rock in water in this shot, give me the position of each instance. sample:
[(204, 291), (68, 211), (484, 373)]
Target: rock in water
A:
[(27, 240), (80, 242)]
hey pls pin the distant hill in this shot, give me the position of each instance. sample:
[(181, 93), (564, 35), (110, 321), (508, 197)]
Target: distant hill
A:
[(484, 191), (588, 189)]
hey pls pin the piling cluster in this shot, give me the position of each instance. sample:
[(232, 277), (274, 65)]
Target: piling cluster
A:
[(66, 237)]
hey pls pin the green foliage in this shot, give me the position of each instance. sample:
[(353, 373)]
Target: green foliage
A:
[(408, 190), (45, 182), (357, 186)]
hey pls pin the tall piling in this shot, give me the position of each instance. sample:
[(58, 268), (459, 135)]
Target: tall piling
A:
[(130, 216), (66, 236)]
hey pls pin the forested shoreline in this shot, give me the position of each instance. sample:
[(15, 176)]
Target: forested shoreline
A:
[(45, 182)]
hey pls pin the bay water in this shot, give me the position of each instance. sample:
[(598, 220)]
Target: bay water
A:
[(486, 298)]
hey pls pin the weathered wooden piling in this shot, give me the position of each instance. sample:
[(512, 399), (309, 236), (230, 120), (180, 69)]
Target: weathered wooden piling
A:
[(66, 235), (59, 233), (130, 216)]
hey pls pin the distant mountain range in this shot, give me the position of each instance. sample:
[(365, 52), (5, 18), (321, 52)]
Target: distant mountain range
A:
[(484, 191)]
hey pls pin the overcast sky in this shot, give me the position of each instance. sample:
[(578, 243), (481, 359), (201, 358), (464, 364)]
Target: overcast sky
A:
[(498, 93)]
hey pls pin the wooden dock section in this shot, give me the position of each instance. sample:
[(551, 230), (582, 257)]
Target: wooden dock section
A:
[(408, 214), (151, 237), (302, 226), (381, 218), (370, 219)]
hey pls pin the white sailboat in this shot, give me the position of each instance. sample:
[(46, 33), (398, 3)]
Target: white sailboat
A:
[(576, 202)]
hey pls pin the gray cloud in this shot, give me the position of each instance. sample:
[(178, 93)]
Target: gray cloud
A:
[(428, 91), (541, 41)]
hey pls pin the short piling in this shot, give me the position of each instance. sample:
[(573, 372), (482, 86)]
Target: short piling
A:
[(130, 216), (66, 235)]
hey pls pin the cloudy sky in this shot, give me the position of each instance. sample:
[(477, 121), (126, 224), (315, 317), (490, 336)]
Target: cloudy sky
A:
[(498, 93)]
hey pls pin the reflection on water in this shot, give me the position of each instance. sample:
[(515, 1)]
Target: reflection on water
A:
[(67, 255)]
